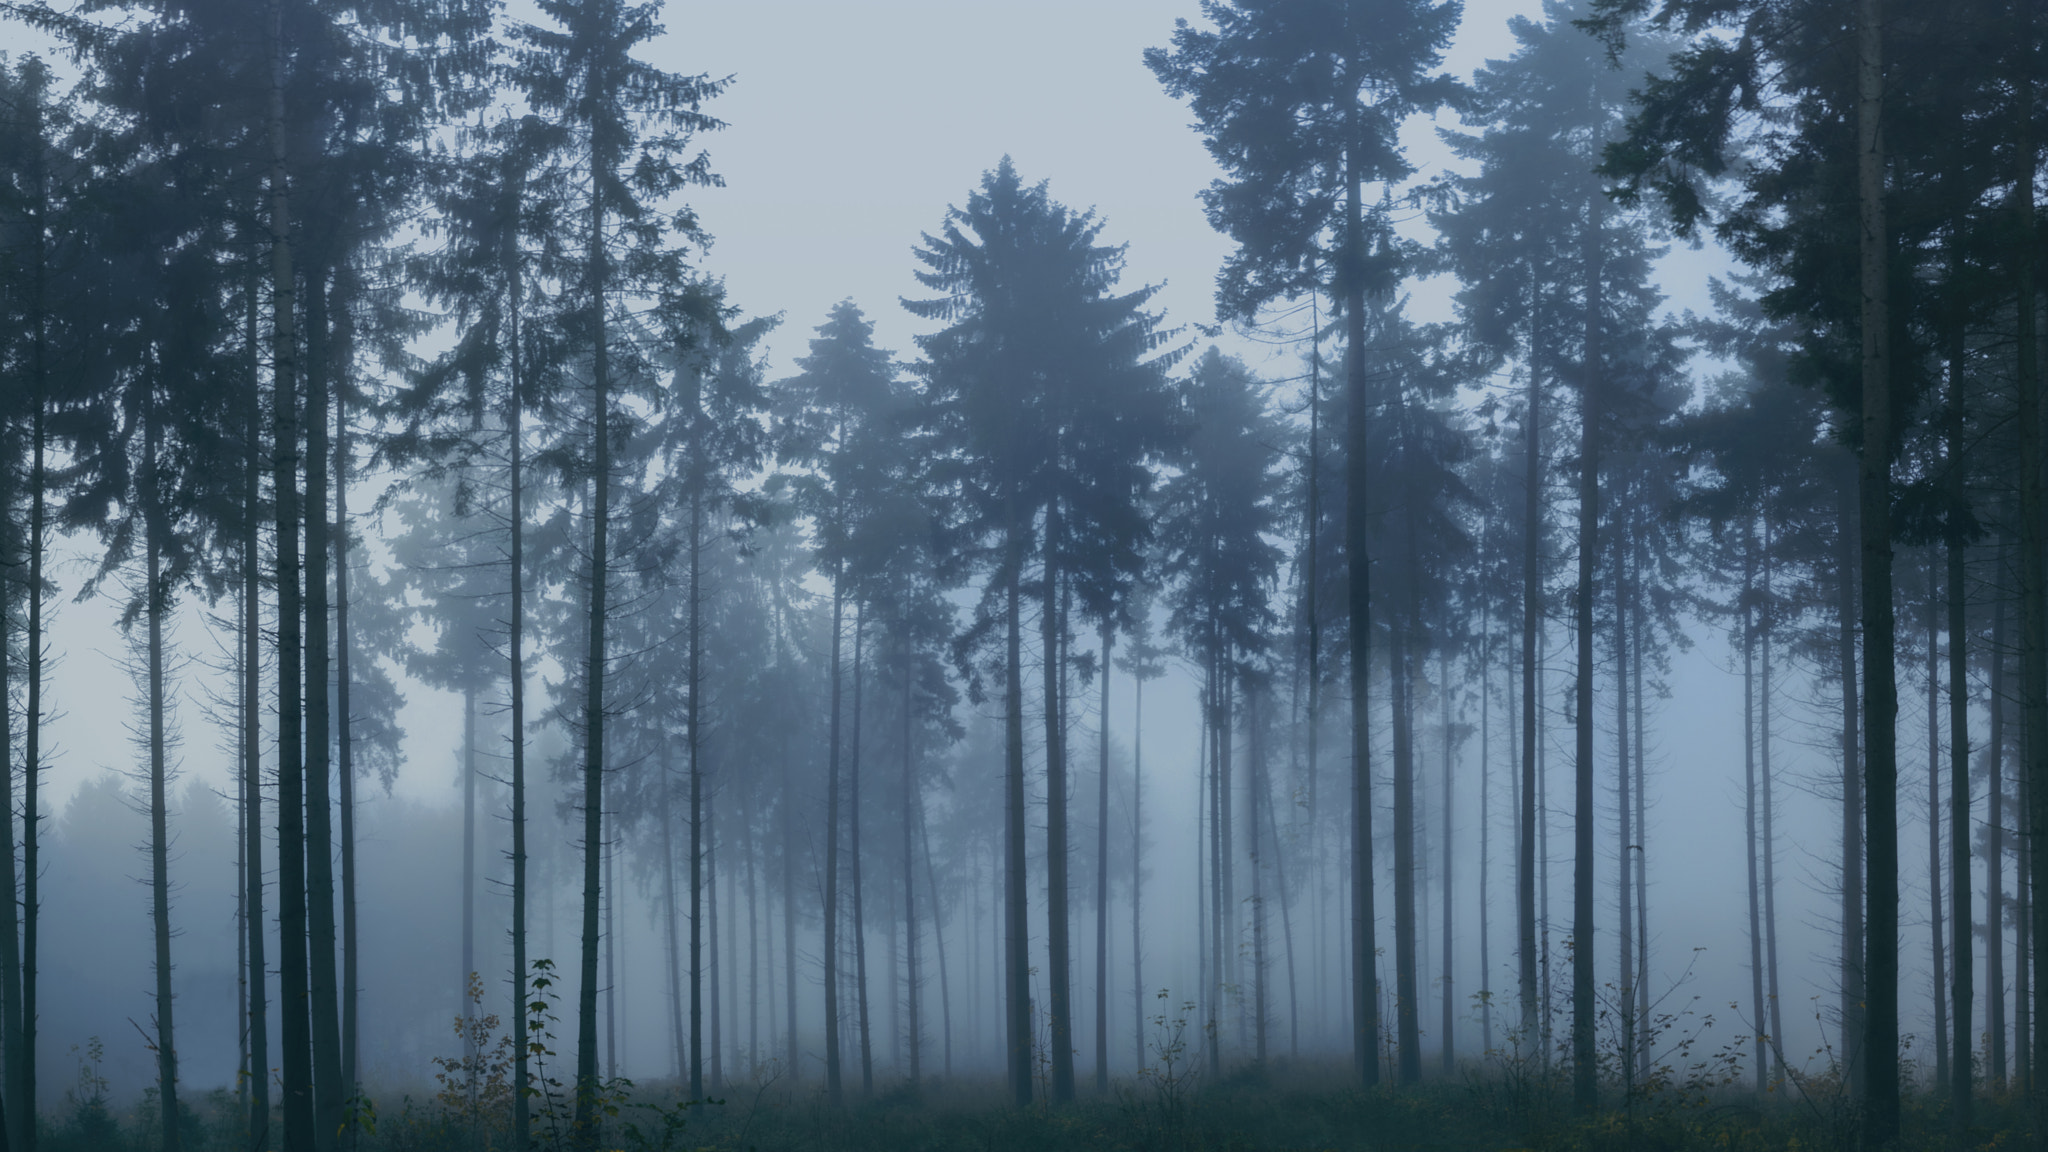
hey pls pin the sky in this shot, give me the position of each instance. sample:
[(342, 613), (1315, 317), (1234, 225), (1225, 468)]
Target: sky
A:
[(852, 127)]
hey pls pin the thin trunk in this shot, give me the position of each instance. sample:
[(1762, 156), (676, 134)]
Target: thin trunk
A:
[(1485, 819), (516, 675), (1059, 974), (1448, 997), (345, 764), (1852, 1006), (853, 861), (1102, 874), (834, 1092), (1016, 924), (671, 941), (694, 736), (1585, 1080), (931, 876), (323, 979), (1642, 868), (1137, 871), (1994, 849), (1963, 938), (913, 811), (1880, 689), (464, 1006), (1532, 610), (1623, 874), (1768, 621), (297, 1057), (1365, 1019), (2033, 588), (1255, 768), (257, 1120), (1749, 803), (611, 963), (156, 595), (1408, 1024), (715, 1078), (1936, 916)]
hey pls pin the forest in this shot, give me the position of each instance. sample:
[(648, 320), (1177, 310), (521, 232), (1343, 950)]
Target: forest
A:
[(1564, 604)]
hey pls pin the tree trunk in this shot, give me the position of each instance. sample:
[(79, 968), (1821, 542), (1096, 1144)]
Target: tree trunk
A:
[(291, 777), (1768, 619), (1625, 970), (1137, 871), (913, 811), (1962, 940), (1642, 980), (1749, 805), (931, 875), (1532, 611), (1406, 1008), (1935, 917), (834, 1092), (1485, 819), (257, 1119), (464, 1006), (1994, 848), (1016, 922), (323, 980), (670, 914), (1059, 969), (860, 930), (587, 1122), (156, 594), (1102, 875), (1365, 1019), (1255, 769), (1585, 1082), (345, 752), (516, 675), (1852, 1006), (694, 734), (715, 1078), (1443, 664)]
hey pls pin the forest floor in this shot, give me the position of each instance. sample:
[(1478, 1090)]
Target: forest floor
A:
[(1304, 1107)]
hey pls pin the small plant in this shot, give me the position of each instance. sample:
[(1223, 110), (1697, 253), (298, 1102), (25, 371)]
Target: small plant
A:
[(1170, 1078)]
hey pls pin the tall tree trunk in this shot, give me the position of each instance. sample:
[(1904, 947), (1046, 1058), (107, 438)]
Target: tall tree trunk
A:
[(291, 777), (1767, 618), (694, 735), (1532, 611), (670, 914), (1749, 805), (1138, 996), (1852, 973), (931, 875), (1963, 937), (257, 1121), (324, 980), (345, 747), (1934, 901), (465, 1007), (587, 1121), (853, 861), (1016, 922), (516, 675), (913, 812), (1880, 688), (1443, 664), (156, 593), (1485, 817), (1059, 967), (1642, 867), (1365, 1019), (1585, 1082), (1625, 971), (1102, 873), (1400, 683), (715, 1077), (1255, 771), (834, 1093), (1994, 847)]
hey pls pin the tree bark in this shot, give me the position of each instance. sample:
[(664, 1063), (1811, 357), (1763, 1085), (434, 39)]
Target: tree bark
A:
[(1365, 1018), (1585, 1082), (257, 1120), (1059, 968), (693, 734), (324, 980), (853, 861), (834, 1093), (1016, 922), (1963, 934), (1532, 611)]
